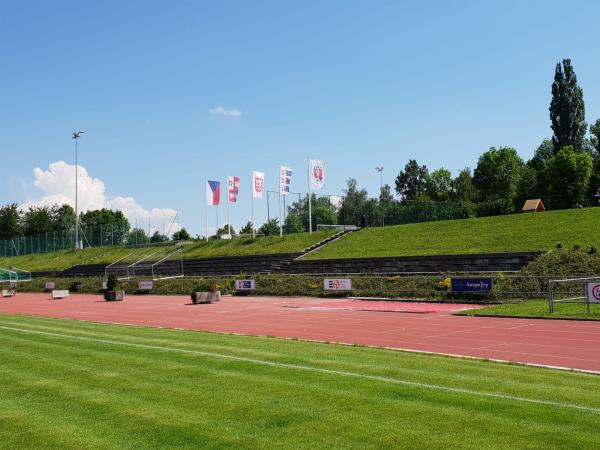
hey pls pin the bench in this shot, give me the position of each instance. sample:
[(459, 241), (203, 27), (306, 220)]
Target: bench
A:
[(9, 292), (59, 293)]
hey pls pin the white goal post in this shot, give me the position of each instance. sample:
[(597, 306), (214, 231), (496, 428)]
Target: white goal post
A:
[(575, 291)]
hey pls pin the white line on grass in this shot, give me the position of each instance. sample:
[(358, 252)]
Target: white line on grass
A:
[(414, 384)]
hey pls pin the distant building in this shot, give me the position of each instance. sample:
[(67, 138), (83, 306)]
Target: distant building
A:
[(534, 205)]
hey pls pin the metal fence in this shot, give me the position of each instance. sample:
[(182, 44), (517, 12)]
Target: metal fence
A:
[(370, 212), (97, 235)]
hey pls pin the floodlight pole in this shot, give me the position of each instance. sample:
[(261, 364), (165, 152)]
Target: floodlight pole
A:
[(76, 135), (380, 170)]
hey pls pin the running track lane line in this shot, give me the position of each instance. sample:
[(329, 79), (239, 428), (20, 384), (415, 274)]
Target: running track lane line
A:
[(387, 380)]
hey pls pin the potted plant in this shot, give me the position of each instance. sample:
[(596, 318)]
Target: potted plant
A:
[(201, 295), (215, 294), (113, 289)]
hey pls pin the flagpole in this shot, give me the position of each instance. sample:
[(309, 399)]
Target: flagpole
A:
[(206, 210), (280, 221), (309, 201), (228, 211), (252, 197)]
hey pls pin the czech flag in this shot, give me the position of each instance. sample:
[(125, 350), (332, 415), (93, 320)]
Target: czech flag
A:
[(213, 193)]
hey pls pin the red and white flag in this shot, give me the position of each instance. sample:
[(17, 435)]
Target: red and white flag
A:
[(233, 187), (316, 174), (258, 184)]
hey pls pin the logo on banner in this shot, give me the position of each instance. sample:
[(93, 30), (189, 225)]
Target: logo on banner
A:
[(285, 179), (213, 193), (337, 284), (258, 184), (233, 184), (317, 174), (245, 285)]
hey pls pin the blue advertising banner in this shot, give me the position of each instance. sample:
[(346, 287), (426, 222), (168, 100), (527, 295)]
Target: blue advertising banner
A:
[(477, 285)]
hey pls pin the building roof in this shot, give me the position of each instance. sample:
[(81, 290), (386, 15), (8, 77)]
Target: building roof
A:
[(533, 204)]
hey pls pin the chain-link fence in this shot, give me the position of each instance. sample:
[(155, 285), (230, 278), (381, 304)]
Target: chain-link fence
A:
[(97, 235), (357, 211)]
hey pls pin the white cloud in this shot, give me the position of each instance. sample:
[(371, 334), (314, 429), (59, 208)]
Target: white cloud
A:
[(57, 185), (224, 111)]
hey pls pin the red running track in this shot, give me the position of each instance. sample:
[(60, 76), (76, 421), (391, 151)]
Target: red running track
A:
[(558, 343)]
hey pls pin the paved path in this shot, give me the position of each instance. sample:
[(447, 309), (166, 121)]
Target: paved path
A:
[(560, 343)]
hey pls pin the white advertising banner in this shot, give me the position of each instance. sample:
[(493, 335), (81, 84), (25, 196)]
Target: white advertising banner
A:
[(258, 184), (285, 179), (245, 285), (146, 285), (316, 174), (337, 284), (593, 291)]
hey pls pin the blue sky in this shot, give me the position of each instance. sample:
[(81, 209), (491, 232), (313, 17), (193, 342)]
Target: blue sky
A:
[(357, 84)]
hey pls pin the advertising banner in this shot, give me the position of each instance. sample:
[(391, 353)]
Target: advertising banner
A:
[(337, 284), (245, 285), (475, 285)]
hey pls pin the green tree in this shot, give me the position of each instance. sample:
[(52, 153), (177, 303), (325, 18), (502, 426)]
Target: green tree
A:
[(412, 181), (225, 230), (529, 186), (137, 236), (37, 220), (541, 156), (248, 228), (569, 173), (595, 138), (10, 221), (353, 204), (464, 190), (594, 188), (293, 224), (567, 109), (270, 228), (438, 185), (158, 237), (63, 217), (106, 225), (497, 177), (323, 212), (181, 235)]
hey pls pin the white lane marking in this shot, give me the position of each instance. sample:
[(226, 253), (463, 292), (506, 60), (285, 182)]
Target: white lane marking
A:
[(381, 379)]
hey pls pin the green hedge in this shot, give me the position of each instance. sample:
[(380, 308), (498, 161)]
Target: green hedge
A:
[(506, 288)]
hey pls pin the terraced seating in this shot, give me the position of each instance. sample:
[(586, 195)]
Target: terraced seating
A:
[(493, 262), (226, 265)]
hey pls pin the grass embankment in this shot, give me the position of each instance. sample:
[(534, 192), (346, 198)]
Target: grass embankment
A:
[(520, 232), (68, 384), (538, 309), (106, 255)]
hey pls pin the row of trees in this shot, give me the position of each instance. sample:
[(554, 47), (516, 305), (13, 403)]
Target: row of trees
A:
[(564, 170), (101, 226)]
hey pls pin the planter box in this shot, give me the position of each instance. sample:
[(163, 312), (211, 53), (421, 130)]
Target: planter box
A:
[(114, 296), (206, 297)]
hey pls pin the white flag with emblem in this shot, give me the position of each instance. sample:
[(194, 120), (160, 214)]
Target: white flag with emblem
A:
[(317, 174)]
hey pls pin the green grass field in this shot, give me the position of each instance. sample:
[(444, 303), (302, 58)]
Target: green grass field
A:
[(538, 308), (106, 255), (520, 232), (68, 384)]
